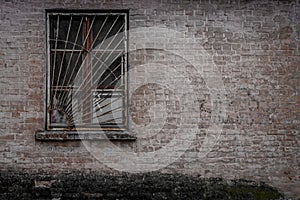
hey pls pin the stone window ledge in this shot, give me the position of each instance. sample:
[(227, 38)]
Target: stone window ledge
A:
[(83, 135)]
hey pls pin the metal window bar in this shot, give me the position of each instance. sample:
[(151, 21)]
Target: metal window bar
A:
[(60, 112), (83, 86)]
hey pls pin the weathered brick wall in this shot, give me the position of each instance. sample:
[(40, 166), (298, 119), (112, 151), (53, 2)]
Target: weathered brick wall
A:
[(251, 46)]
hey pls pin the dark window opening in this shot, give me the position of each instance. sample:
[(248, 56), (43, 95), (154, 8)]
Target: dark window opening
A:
[(87, 65)]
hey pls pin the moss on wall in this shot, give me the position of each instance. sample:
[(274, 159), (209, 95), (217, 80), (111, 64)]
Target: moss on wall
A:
[(129, 186)]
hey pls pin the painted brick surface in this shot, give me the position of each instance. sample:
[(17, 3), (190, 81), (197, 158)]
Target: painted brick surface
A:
[(251, 46)]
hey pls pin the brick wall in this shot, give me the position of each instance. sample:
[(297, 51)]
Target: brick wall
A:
[(213, 91)]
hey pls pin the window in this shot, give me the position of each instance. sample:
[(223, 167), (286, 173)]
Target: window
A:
[(86, 69)]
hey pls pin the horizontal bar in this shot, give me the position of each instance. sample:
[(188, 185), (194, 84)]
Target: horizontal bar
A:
[(82, 50), (63, 87), (108, 50), (67, 50), (107, 90)]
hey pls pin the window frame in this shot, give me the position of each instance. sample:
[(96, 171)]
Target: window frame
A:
[(81, 12)]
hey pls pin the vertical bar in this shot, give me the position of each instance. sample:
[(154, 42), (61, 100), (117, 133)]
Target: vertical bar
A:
[(126, 75), (47, 114)]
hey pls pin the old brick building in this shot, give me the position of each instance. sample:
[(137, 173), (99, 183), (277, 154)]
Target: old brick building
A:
[(107, 87)]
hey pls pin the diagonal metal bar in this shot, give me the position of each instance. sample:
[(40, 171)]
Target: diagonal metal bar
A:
[(122, 40), (77, 60), (63, 57), (78, 90), (104, 106), (72, 52), (102, 54), (83, 49), (54, 59), (111, 73), (99, 31), (63, 99), (110, 111), (116, 79), (69, 42), (106, 66), (103, 99)]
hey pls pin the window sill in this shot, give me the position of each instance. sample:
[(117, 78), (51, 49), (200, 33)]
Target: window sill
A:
[(87, 135)]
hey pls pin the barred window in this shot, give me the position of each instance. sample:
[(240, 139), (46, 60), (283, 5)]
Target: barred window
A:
[(86, 69)]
